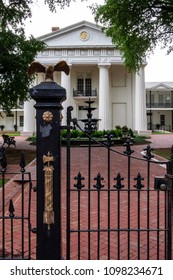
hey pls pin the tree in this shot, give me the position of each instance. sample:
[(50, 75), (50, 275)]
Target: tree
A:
[(16, 53), (137, 27), (61, 3)]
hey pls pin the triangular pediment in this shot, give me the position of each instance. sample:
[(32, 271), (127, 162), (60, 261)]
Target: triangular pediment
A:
[(159, 86), (79, 35)]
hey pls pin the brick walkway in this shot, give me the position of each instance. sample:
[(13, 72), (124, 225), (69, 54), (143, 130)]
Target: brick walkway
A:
[(79, 160)]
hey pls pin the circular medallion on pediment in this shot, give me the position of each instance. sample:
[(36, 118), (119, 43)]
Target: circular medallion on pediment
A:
[(84, 35)]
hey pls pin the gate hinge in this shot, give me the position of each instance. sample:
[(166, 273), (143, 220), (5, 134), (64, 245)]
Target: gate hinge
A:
[(163, 183)]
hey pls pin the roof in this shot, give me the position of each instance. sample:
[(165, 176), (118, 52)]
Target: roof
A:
[(70, 28), (159, 85)]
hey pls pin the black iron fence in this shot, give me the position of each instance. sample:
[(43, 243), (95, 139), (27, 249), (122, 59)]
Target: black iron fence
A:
[(119, 203), (15, 211)]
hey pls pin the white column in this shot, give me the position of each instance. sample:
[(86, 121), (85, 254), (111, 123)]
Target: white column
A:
[(29, 110), (105, 108), (140, 123), (66, 83), (29, 118)]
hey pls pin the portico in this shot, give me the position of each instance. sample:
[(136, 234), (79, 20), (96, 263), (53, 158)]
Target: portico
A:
[(96, 72)]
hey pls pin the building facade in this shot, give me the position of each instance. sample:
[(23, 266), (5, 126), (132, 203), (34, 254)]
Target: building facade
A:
[(97, 72), (159, 106)]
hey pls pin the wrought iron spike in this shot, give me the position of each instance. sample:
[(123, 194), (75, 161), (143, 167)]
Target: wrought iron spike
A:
[(11, 209), (75, 123), (79, 179), (118, 184), (22, 162), (139, 178), (128, 145), (109, 139), (98, 185), (69, 110), (148, 155)]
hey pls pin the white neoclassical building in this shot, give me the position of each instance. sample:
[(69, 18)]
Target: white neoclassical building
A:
[(159, 106), (97, 72)]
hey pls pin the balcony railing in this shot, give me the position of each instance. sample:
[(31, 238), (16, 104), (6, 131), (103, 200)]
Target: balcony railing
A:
[(160, 105), (85, 93)]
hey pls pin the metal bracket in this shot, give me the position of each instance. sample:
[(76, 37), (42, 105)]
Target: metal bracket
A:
[(163, 183)]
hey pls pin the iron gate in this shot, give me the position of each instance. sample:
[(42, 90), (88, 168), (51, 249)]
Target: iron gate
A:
[(118, 205), (15, 211)]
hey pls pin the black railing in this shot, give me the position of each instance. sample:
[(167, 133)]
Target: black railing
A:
[(84, 93), (159, 105), (15, 209), (158, 127)]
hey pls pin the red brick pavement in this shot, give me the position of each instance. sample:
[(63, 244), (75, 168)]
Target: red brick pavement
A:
[(79, 159)]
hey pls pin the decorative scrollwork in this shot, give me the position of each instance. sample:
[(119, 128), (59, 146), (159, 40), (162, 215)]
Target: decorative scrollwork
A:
[(109, 142), (128, 145), (118, 185), (148, 155), (79, 179), (98, 185), (139, 185), (48, 215), (47, 117)]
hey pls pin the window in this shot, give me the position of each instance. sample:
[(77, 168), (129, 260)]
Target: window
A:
[(150, 99), (84, 84), (80, 84), (162, 119), (88, 86), (161, 99), (21, 121)]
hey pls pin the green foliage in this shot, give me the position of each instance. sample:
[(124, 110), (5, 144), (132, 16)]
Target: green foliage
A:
[(118, 132), (16, 53), (98, 134), (64, 133), (137, 26), (79, 137), (140, 139), (32, 139), (61, 3), (73, 134)]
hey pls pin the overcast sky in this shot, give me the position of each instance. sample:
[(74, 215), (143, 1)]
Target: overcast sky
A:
[(159, 68)]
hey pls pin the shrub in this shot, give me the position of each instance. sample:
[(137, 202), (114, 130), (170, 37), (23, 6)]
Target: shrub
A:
[(97, 134), (64, 133), (75, 133)]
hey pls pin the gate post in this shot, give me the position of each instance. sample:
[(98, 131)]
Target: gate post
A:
[(49, 97)]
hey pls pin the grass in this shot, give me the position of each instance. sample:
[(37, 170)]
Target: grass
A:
[(5, 181), (163, 152), (11, 133)]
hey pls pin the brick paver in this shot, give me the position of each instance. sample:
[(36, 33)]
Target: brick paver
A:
[(79, 159)]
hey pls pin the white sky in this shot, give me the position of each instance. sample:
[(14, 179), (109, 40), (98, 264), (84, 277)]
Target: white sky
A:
[(160, 65)]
